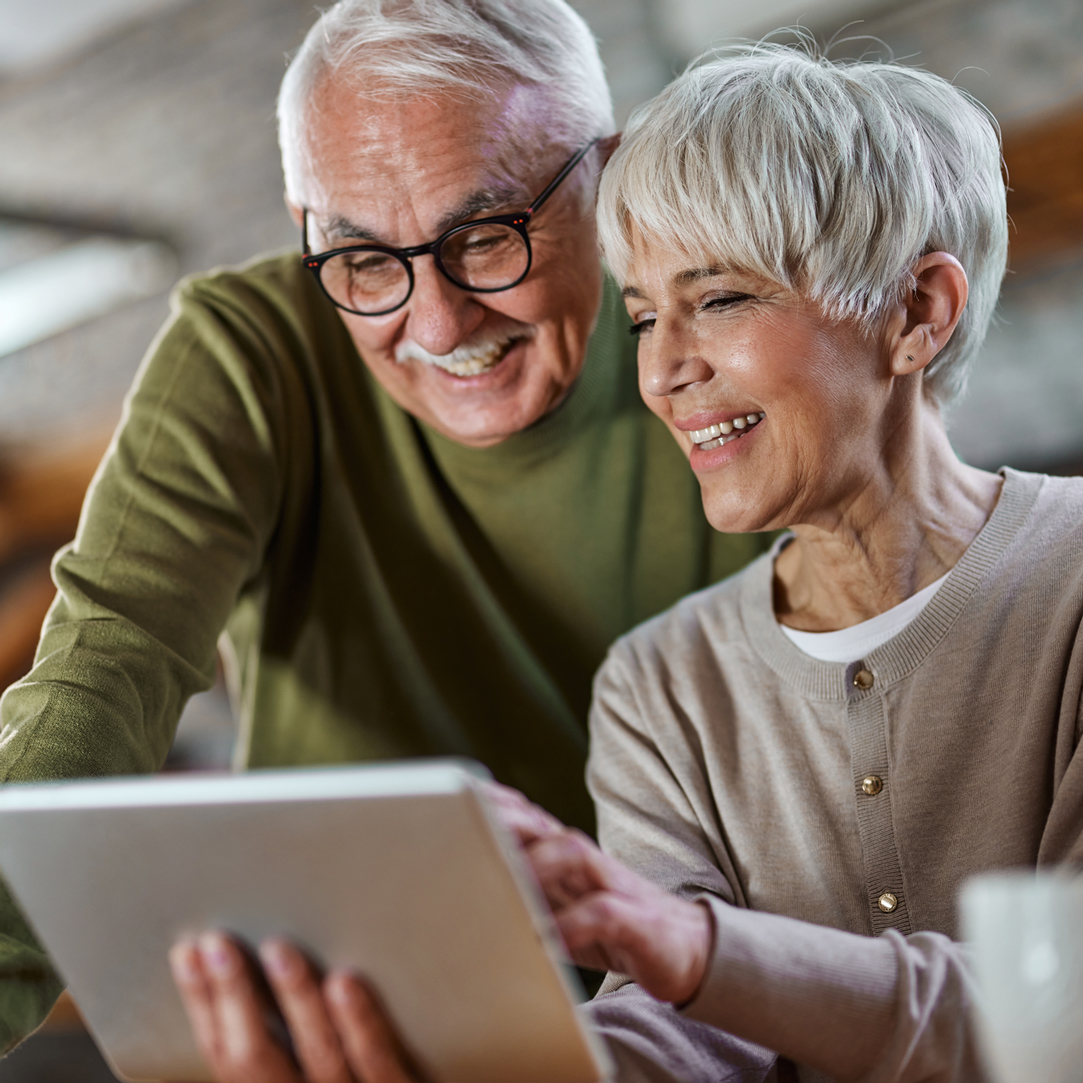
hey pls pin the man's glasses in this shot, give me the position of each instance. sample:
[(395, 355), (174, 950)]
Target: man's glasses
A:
[(484, 256)]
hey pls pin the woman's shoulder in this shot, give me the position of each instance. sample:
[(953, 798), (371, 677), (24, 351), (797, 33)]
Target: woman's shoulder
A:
[(1048, 510)]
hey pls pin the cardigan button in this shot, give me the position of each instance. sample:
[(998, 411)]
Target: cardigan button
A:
[(863, 679), (872, 785), (887, 902)]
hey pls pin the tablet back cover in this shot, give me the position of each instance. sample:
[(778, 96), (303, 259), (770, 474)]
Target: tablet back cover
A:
[(397, 872)]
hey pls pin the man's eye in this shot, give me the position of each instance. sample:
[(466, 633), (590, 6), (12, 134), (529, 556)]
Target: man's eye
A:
[(637, 329)]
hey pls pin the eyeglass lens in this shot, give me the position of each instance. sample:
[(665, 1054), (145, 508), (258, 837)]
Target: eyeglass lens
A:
[(489, 256)]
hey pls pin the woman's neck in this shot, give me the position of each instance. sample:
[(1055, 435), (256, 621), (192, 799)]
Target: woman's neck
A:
[(905, 524)]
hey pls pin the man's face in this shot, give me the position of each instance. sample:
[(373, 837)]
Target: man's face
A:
[(400, 174)]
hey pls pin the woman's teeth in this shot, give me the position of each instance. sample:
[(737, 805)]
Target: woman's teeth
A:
[(724, 432)]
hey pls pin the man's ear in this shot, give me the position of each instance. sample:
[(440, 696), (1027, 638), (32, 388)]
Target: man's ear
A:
[(296, 213), (929, 313), (606, 147)]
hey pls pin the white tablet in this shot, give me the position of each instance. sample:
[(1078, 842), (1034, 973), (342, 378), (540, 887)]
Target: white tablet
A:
[(398, 871)]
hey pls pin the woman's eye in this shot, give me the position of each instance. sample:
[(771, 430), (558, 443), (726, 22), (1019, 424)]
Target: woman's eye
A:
[(725, 301), (638, 328)]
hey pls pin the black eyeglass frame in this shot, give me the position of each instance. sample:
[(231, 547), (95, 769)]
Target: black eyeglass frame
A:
[(518, 222)]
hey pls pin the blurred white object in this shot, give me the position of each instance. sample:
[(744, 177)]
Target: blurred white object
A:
[(34, 32), (1026, 933), (51, 293)]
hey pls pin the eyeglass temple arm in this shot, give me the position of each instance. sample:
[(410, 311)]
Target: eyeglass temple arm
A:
[(552, 186)]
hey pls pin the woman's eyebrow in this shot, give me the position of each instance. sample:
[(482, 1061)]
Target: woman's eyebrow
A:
[(695, 274), (681, 278)]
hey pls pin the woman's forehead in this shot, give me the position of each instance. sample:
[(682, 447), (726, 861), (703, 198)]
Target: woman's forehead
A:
[(659, 263)]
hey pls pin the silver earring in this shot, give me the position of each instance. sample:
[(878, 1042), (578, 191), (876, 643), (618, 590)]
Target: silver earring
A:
[(909, 358)]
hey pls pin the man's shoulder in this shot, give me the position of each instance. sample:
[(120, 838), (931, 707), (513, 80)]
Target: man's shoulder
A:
[(707, 620), (278, 279), (268, 311)]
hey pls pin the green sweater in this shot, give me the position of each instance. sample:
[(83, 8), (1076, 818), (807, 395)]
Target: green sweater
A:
[(385, 592)]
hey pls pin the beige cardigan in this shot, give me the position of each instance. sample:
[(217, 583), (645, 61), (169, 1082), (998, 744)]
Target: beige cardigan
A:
[(724, 760)]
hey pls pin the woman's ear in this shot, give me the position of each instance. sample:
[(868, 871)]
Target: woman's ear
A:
[(929, 312)]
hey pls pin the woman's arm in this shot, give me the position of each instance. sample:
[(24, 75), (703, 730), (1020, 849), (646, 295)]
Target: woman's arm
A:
[(854, 1007)]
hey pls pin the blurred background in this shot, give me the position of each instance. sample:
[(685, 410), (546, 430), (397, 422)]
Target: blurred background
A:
[(137, 143)]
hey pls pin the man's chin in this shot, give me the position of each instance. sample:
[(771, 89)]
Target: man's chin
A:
[(487, 408)]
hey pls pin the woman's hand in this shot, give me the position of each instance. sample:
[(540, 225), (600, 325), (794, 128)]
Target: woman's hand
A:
[(610, 918), (340, 1033)]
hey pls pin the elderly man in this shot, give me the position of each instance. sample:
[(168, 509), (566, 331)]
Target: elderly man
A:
[(409, 477)]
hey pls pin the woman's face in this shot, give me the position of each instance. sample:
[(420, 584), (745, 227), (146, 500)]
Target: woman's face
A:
[(783, 414)]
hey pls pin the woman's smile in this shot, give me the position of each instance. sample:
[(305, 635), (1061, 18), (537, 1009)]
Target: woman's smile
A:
[(767, 396)]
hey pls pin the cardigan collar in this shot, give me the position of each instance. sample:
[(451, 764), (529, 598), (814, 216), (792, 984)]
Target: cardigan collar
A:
[(903, 653)]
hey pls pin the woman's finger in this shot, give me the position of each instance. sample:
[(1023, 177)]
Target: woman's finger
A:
[(372, 1049), (525, 820), (245, 1051), (300, 997), (661, 941), (568, 866)]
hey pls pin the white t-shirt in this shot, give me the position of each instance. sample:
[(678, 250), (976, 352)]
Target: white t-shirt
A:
[(850, 644)]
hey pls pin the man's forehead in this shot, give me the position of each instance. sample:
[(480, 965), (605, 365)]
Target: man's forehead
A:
[(454, 159)]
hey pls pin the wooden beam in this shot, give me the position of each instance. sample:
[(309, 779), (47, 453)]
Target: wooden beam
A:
[(1045, 191)]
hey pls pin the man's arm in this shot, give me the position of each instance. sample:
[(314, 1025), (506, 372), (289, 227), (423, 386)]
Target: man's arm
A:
[(174, 527)]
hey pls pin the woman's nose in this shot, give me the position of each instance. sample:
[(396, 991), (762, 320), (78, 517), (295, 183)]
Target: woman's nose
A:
[(669, 362)]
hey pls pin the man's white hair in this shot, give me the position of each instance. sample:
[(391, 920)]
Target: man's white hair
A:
[(388, 49), (828, 178)]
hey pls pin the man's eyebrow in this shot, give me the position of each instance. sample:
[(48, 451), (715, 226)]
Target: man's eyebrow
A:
[(483, 201), (632, 291), (348, 231)]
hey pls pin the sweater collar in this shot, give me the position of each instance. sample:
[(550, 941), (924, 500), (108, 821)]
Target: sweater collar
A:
[(901, 655)]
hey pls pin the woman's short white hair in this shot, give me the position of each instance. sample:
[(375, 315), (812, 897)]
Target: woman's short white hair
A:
[(390, 48), (828, 178)]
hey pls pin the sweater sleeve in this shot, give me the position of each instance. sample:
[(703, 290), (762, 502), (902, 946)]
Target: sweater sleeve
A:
[(853, 1007), (869, 1009), (175, 524), (651, 1042)]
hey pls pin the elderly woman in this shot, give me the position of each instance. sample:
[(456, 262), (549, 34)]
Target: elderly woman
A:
[(822, 748), (802, 764)]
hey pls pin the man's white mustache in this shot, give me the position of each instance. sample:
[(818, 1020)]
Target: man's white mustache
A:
[(470, 358)]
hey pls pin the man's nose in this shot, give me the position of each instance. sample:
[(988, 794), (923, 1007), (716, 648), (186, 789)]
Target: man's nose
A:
[(441, 315)]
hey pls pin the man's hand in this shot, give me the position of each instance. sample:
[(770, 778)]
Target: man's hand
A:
[(340, 1033), (610, 918)]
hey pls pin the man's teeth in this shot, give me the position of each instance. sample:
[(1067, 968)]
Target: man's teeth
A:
[(475, 364), (725, 431)]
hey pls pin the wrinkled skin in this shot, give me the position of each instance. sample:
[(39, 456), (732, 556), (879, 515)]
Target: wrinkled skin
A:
[(402, 172), (851, 455)]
